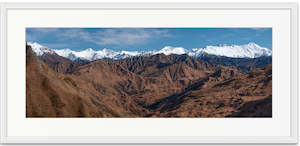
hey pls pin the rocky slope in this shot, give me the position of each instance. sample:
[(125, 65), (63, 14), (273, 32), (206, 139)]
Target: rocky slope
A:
[(144, 86)]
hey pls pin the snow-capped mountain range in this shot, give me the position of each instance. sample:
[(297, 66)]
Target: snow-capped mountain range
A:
[(250, 50), (39, 49)]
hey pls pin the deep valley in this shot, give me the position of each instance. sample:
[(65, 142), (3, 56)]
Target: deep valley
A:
[(148, 86)]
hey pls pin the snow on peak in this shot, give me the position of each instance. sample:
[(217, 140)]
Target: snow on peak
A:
[(104, 53), (250, 50), (168, 50), (39, 49), (87, 54), (67, 53), (130, 53), (90, 54), (89, 50)]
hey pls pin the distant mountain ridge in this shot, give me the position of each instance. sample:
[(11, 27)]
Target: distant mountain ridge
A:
[(250, 50)]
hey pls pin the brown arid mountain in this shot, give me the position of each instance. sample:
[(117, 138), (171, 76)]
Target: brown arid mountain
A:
[(247, 95), (242, 64), (54, 94), (144, 86), (59, 64)]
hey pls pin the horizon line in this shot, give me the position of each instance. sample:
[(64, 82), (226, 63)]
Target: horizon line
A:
[(124, 49)]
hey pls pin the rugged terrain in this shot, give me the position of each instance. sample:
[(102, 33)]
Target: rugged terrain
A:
[(148, 86)]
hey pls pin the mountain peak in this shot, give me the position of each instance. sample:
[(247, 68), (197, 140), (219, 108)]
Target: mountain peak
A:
[(250, 50), (68, 49), (39, 49), (89, 49), (253, 44), (168, 50)]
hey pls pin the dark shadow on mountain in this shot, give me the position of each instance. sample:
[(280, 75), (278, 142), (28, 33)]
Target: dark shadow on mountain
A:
[(258, 108), (242, 64)]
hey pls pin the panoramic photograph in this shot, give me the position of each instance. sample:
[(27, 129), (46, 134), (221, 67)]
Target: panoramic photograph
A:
[(149, 72)]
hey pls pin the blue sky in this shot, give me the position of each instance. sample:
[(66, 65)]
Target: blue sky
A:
[(145, 39)]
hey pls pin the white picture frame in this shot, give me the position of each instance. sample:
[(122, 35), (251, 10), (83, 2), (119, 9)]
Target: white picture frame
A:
[(292, 139)]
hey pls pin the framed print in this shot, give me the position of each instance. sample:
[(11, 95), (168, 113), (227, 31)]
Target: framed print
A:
[(149, 73)]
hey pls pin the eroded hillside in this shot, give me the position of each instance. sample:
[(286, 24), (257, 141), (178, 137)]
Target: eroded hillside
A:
[(145, 86)]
